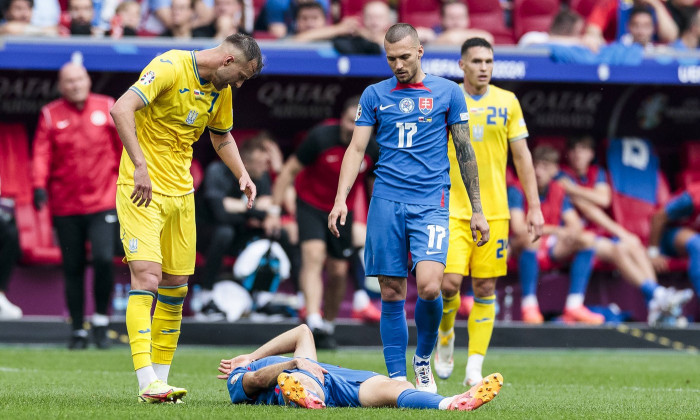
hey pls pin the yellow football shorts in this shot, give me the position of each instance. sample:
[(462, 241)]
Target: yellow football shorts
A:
[(164, 232), (486, 261)]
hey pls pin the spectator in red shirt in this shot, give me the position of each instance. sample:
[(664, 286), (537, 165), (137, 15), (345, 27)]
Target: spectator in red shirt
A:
[(75, 161), (79, 19), (319, 158)]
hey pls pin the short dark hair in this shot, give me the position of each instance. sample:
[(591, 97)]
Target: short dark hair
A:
[(475, 42), (351, 102), (585, 141), (563, 22), (308, 6), (7, 3), (638, 11), (254, 143), (446, 3), (545, 153), (399, 31), (250, 49)]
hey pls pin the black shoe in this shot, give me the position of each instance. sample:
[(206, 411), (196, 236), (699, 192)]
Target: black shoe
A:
[(324, 340), (78, 342), (211, 312), (100, 337)]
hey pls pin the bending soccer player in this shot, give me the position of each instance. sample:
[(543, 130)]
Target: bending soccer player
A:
[(264, 377), (497, 125), (179, 94), (410, 200)]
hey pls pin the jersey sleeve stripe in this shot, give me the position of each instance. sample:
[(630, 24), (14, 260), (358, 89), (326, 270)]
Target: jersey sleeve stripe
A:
[(141, 95), (520, 137), (219, 130)]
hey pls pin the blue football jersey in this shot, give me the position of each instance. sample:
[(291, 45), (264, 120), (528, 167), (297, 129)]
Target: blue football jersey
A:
[(412, 133)]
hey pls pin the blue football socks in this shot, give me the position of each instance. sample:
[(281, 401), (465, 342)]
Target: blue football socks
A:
[(581, 269), (412, 398), (394, 332), (529, 272), (428, 315)]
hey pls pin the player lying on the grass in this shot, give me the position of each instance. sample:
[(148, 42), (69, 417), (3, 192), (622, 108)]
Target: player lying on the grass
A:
[(264, 377)]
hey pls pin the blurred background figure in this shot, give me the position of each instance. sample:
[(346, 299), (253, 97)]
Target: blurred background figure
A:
[(689, 38), (319, 158), (312, 24), (181, 19), (78, 20), (228, 20), (230, 225), (377, 17), (278, 17), (126, 19), (75, 160), (566, 30), (454, 26), (18, 19), (9, 254)]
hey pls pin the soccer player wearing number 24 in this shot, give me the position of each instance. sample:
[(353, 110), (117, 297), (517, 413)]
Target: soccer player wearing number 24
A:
[(158, 120), (410, 200)]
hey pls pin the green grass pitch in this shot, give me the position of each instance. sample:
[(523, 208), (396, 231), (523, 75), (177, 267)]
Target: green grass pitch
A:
[(50, 382)]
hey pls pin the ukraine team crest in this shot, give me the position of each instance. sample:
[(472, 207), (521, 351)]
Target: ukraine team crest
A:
[(191, 117), (425, 105)]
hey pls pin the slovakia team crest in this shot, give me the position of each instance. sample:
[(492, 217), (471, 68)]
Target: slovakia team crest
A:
[(425, 105)]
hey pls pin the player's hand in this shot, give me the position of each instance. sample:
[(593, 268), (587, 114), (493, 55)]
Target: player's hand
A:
[(479, 224), (660, 264), (226, 366), (143, 190), (248, 187), (312, 367), (535, 224), (340, 211)]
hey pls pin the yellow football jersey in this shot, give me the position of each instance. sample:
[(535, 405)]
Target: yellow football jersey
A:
[(179, 105), (495, 120)]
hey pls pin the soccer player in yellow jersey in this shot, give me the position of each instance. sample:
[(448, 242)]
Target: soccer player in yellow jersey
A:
[(496, 122), (179, 94)]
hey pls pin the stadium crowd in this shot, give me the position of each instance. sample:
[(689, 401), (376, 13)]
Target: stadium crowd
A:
[(578, 193), (610, 31)]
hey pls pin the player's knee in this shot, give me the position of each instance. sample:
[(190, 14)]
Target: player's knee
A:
[(449, 289), (484, 287), (429, 291)]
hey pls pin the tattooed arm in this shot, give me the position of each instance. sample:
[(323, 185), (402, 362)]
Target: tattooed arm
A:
[(467, 163), (227, 150), (470, 176)]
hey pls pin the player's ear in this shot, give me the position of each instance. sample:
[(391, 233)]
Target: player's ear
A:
[(229, 59), (420, 51)]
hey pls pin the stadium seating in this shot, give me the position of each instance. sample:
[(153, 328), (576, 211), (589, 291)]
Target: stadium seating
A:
[(35, 229), (582, 7), (533, 15), (425, 13), (352, 7), (488, 15)]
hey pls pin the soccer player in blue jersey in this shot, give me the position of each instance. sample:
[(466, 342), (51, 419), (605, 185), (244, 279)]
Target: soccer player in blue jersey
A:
[(409, 207), (265, 378)]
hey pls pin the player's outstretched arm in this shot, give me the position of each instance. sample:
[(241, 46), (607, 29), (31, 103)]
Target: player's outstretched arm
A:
[(298, 340), (227, 150), (470, 176), (124, 119), (352, 160), (522, 158)]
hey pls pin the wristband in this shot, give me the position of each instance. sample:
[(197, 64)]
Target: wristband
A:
[(653, 251), (274, 210)]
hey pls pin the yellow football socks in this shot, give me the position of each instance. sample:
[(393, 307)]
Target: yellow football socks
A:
[(167, 319), (450, 306), (480, 324), (138, 326)]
